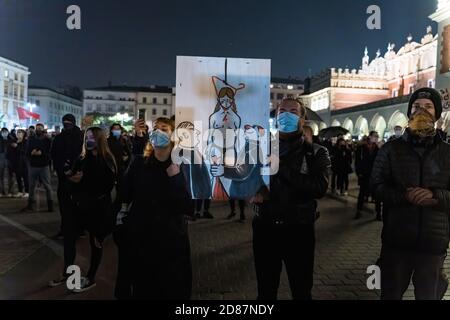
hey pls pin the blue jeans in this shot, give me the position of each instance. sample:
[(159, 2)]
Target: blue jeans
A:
[(39, 175)]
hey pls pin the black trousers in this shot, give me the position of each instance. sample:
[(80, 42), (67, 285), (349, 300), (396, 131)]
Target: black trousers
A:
[(364, 191), (333, 180), (198, 205), (292, 244), (342, 182), (397, 268), (124, 285), (163, 271), (241, 204)]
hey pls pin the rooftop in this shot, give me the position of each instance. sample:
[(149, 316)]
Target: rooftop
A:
[(31, 87), (287, 80), (159, 89)]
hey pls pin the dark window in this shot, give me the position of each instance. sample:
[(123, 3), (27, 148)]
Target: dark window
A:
[(144, 100), (155, 100), (280, 96), (271, 96), (165, 112), (154, 112), (165, 100)]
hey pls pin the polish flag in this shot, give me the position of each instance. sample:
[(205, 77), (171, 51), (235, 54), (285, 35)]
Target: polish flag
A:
[(25, 114)]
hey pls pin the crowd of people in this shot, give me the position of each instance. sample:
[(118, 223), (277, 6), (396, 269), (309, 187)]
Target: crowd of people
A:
[(110, 182)]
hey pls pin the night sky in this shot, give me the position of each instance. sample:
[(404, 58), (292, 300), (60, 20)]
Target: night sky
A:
[(135, 42)]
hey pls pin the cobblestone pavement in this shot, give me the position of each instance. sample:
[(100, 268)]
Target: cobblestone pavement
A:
[(221, 255)]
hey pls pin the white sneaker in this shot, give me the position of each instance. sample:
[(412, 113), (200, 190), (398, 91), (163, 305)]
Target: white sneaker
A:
[(345, 194), (85, 285), (25, 195)]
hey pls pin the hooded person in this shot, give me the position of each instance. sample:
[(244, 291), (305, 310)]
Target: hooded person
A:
[(411, 176), (66, 149)]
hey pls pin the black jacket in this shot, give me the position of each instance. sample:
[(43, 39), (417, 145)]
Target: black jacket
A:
[(120, 148), (398, 167), (364, 159), (66, 148), (158, 202), (302, 178), (3, 145), (343, 161), (42, 144)]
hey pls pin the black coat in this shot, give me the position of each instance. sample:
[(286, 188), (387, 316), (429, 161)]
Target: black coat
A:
[(364, 159), (302, 179), (343, 161), (120, 148), (42, 144), (398, 167), (66, 148)]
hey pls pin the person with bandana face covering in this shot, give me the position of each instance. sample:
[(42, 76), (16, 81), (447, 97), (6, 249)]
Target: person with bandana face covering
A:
[(66, 148), (411, 176), (156, 202), (93, 177), (284, 226), (38, 154)]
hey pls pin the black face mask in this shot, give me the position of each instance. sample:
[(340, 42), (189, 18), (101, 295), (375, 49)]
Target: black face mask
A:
[(68, 126), (39, 133)]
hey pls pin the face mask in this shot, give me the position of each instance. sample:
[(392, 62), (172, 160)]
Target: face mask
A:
[(68, 126), (39, 133), (288, 122), (421, 124), (5, 135), (116, 133), (159, 139), (398, 134), (91, 144)]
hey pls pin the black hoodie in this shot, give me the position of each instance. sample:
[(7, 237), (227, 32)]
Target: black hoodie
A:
[(66, 148)]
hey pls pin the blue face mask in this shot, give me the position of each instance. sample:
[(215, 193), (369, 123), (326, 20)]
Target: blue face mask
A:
[(159, 139), (116, 133), (288, 122)]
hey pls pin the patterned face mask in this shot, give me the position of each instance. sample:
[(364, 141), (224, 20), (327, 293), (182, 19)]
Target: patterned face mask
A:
[(421, 124)]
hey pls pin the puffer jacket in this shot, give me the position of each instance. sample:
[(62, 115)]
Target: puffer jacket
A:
[(399, 167)]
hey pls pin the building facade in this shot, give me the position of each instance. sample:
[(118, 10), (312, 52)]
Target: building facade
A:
[(13, 91), (110, 100), (442, 17), (155, 101), (281, 88), (375, 96), (52, 105)]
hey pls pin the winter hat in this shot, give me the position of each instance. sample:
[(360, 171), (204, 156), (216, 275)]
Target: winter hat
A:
[(427, 93), (70, 118)]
